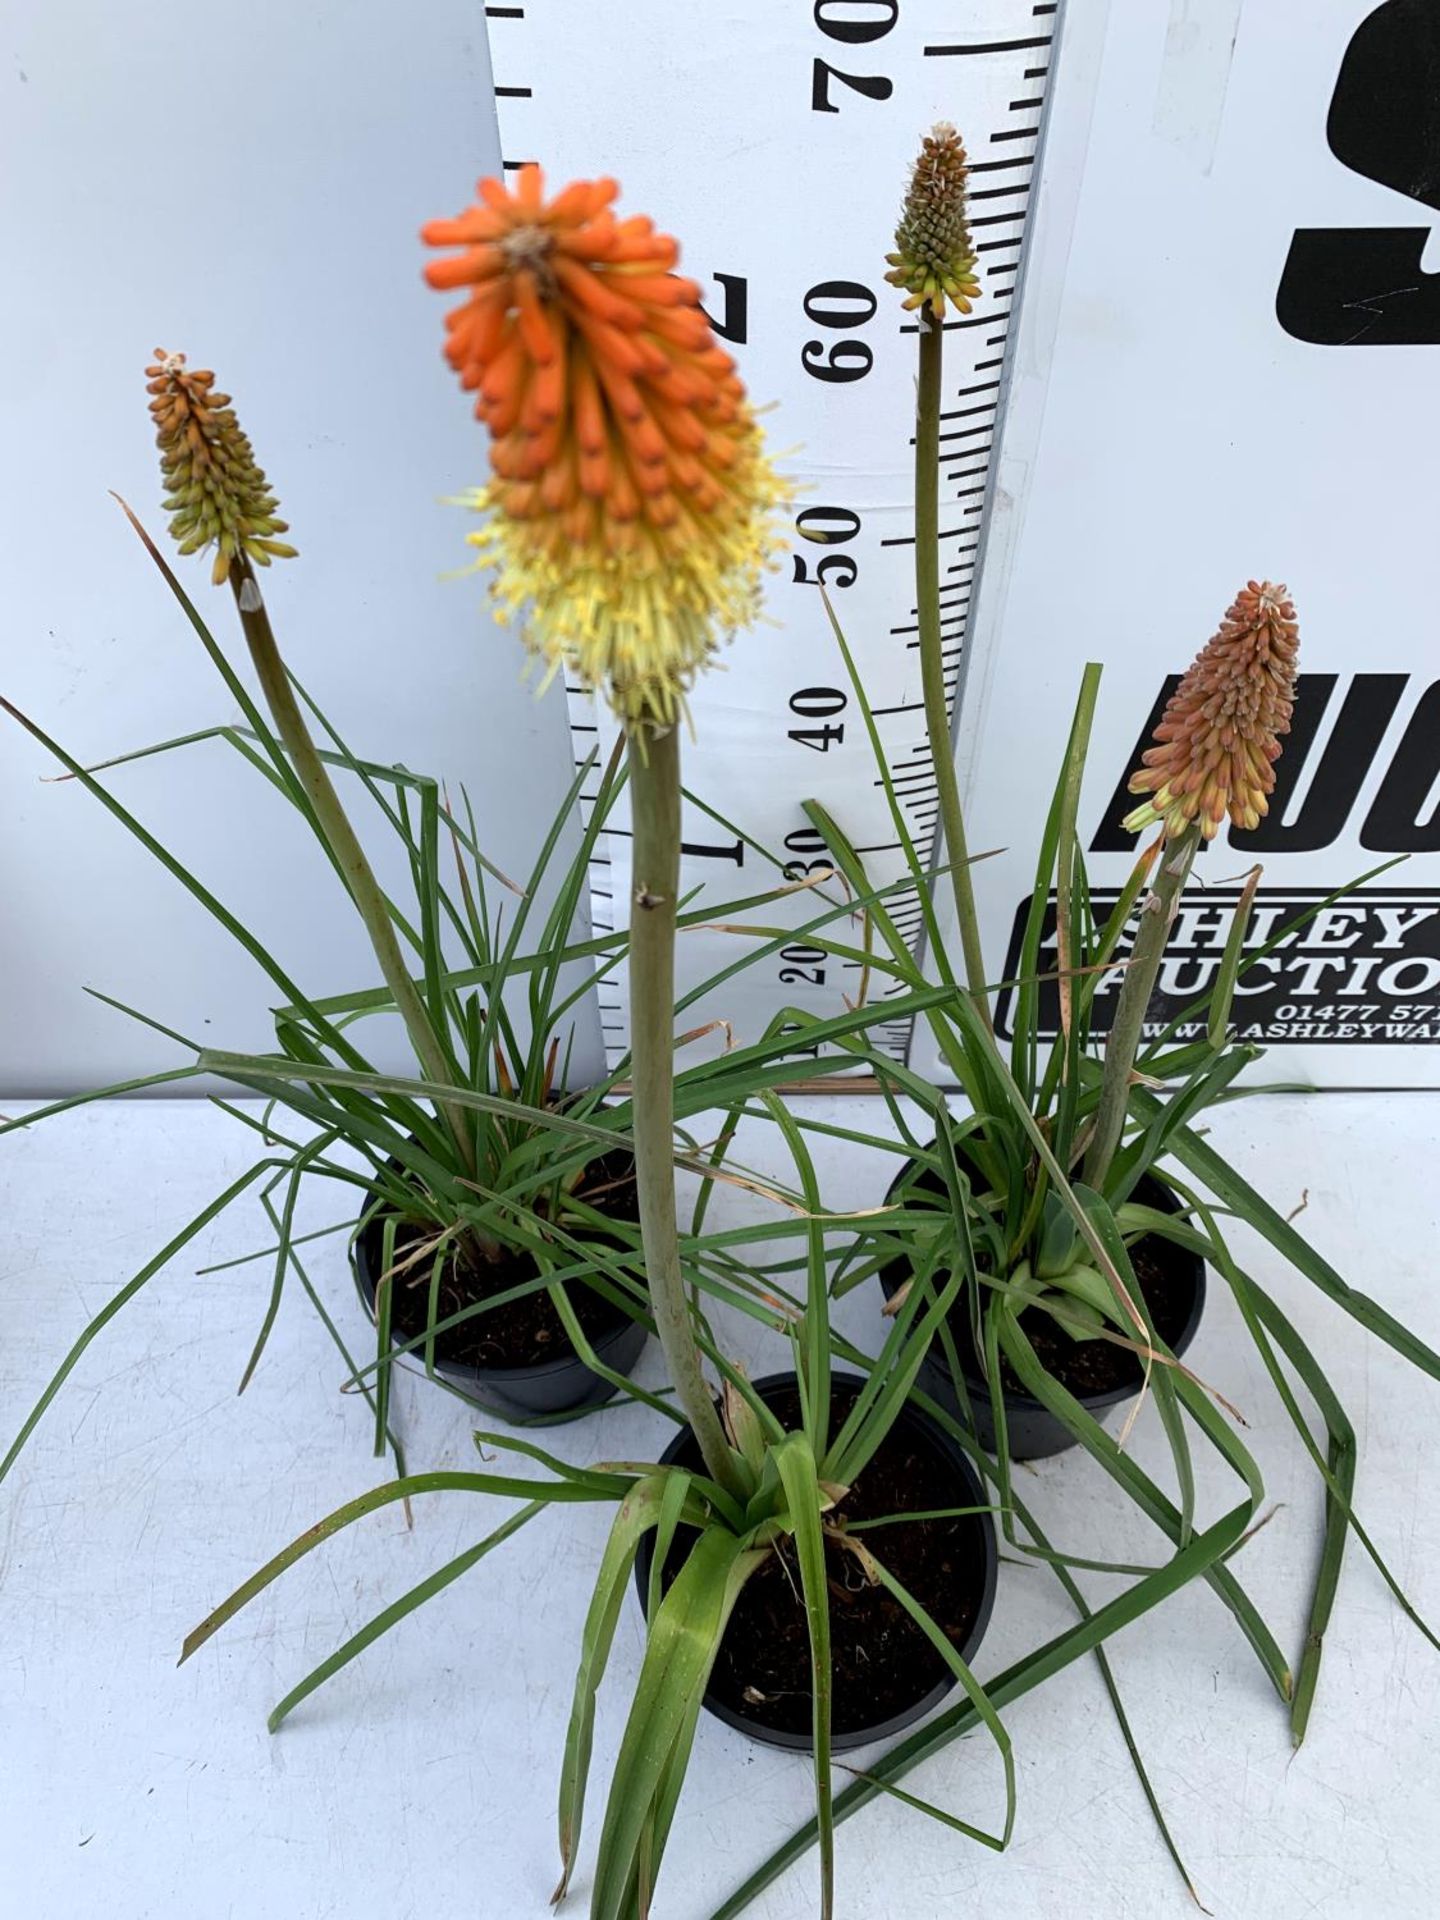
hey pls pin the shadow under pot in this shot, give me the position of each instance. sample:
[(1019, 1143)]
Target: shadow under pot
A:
[(1099, 1374), (514, 1360), (885, 1673)]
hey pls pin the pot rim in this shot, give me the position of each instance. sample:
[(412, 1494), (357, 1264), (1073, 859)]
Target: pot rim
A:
[(363, 1269), (1016, 1397), (956, 1455)]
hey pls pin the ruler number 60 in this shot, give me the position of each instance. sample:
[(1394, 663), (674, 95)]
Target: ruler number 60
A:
[(841, 304), (854, 22)]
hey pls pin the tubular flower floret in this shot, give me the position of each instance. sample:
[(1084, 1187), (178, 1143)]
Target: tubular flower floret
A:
[(630, 510), (216, 495), (1219, 737), (934, 257)]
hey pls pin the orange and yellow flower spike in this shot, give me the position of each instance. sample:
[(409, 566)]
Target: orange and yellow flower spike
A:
[(629, 516)]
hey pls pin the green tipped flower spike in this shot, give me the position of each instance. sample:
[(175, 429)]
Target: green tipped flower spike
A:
[(216, 494), (934, 258)]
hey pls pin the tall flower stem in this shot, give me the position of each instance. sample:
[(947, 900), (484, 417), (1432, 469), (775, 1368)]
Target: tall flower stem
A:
[(355, 869), (654, 755), (1123, 1041), (932, 665)]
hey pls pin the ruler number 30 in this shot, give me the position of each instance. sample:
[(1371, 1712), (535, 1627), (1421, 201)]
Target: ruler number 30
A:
[(855, 23)]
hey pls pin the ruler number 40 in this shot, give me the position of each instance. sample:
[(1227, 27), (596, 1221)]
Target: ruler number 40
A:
[(855, 23), (822, 704)]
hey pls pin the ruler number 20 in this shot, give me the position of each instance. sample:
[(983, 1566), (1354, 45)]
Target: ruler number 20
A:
[(855, 23)]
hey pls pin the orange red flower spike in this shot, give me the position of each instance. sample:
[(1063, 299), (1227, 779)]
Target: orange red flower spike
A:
[(629, 513)]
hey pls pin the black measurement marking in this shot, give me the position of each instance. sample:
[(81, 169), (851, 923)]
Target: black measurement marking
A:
[(1016, 133), (1036, 73), (1018, 106), (505, 13), (994, 246), (910, 706), (514, 93), (1000, 193), (914, 628), (984, 386), (954, 326), (991, 46), (908, 539)]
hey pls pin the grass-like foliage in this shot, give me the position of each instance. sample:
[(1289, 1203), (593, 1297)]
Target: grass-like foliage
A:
[(789, 1482), (484, 1145), (997, 1195)]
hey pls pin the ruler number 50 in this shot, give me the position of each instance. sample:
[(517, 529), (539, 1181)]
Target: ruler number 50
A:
[(854, 22)]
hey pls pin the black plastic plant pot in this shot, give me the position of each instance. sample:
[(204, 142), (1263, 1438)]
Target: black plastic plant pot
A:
[(563, 1384), (1032, 1431), (918, 1458)]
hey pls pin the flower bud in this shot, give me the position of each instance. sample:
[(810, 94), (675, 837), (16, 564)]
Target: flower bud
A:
[(215, 493), (934, 258)]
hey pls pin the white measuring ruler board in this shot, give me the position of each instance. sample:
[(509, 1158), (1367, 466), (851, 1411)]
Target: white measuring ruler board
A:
[(774, 139)]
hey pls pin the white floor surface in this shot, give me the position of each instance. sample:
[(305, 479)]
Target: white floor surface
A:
[(419, 1785)]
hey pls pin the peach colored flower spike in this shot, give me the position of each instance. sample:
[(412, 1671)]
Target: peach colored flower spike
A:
[(629, 508), (1220, 733)]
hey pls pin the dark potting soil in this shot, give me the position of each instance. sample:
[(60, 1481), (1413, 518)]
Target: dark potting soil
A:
[(881, 1661), (526, 1332), (1100, 1366)]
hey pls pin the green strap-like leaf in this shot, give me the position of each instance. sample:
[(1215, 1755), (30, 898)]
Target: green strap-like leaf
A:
[(680, 1650), (403, 1489), (637, 1513), (398, 1610), (796, 1462)]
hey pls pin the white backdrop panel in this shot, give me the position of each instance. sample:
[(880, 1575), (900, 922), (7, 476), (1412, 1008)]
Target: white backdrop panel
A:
[(245, 188)]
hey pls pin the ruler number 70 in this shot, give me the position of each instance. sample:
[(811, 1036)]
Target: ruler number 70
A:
[(854, 22)]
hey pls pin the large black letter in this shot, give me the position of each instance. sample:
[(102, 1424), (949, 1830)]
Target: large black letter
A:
[(1363, 286)]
